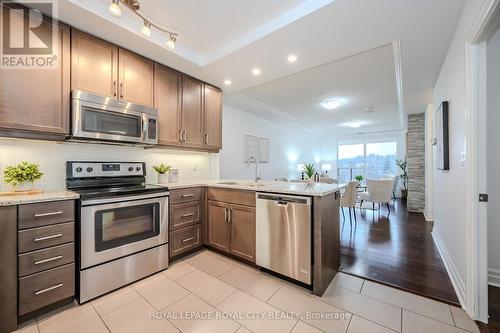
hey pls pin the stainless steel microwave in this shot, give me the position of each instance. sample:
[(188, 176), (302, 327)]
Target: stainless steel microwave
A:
[(108, 120)]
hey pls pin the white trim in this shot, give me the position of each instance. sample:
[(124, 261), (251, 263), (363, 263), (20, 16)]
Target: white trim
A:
[(398, 67), (475, 115), (494, 277), (428, 217), (456, 280)]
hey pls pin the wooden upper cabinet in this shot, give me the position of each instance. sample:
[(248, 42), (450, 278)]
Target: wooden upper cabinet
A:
[(217, 225), (38, 100), (94, 64), (192, 112), (136, 78), (168, 102), (242, 232), (213, 117)]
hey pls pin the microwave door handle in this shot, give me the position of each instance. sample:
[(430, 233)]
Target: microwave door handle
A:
[(118, 132)]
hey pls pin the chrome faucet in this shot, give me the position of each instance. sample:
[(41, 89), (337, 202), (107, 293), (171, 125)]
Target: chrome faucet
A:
[(256, 170)]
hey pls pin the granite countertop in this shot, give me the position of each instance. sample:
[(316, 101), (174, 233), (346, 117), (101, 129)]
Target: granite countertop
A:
[(11, 200), (299, 188)]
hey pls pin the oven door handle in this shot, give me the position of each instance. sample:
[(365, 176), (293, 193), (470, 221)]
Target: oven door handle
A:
[(94, 202)]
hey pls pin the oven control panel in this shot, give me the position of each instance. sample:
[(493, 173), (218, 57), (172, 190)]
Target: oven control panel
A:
[(105, 169)]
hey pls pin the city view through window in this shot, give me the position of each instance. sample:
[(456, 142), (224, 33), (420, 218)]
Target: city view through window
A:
[(373, 160)]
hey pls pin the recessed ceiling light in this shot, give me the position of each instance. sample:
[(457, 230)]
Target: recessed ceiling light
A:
[(114, 8), (331, 104), (292, 58), (256, 71), (370, 109), (227, 82)]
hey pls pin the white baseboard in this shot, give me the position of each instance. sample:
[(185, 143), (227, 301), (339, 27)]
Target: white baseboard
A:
[(494, 277), (456, 280), (428, 217)]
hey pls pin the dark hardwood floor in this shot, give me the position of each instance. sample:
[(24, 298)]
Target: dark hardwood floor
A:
[(397, 250)]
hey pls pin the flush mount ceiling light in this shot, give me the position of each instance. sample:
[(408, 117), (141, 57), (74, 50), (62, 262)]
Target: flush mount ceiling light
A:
[(114, 8), (331, 104), (292, 58), (256, 71), (227, 82), (134, 6), (355, 124)]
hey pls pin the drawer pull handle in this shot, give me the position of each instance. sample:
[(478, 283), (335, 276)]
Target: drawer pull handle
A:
[(189, 195), (187, 240), (43, 261), (48, 289), (48, 214), (39, 239), (187, 215)]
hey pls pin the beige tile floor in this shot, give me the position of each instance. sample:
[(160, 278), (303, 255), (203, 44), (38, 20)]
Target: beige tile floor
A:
[(208, 292)]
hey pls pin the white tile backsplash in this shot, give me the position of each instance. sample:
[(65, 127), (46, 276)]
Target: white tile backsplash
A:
[(52, 157)]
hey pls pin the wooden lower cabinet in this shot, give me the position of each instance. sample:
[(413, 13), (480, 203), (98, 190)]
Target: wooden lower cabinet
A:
[(242, 232), (8, 273), (231, 228), (217, 225)]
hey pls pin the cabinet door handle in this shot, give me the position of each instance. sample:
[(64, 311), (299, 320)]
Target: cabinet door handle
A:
[(180, 136), (225, 214), (48, 214), (39, 239), (187, 239), (44, 261), (115, 92), (206, 139), (187, 195), (187, 215), (121, 90), (185, 136), (229, 215), (48, 289)]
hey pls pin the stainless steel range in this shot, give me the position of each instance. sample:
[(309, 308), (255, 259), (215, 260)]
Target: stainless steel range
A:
[(123, 225)]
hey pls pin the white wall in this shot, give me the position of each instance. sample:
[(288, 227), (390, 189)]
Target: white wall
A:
[(288, 146), (493, 153), (449, 186), (52, 156)]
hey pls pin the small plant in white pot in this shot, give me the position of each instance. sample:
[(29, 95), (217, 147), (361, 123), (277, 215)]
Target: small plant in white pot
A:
[(162, 171), (22, 176)]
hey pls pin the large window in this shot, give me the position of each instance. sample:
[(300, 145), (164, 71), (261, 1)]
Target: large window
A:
[(373, 159)]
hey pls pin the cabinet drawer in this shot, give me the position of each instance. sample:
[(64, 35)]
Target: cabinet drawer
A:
[(47, 213), (185, 195), (182, 215), (40, 260), (184, 239), (239, 197), (44, 288), (39, 238)]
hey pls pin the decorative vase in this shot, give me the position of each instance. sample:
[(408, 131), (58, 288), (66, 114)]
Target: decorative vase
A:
[(162, 178)]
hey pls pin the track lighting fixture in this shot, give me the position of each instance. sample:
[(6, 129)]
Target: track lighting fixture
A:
[(114, 8), (134, 6)]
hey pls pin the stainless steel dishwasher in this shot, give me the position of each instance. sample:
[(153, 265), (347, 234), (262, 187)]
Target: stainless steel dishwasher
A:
[(284, 235)]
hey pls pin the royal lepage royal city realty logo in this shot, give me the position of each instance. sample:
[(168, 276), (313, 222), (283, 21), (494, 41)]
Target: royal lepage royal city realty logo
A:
[(29, 34)]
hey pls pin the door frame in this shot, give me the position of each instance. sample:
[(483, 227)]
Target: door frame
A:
[(475, 146)]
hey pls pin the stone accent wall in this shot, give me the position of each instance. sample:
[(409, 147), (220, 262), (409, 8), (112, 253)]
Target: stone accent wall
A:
[(415, 151)]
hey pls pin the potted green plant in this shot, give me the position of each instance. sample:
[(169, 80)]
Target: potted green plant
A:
[(359, 178), (24, 173), (309, 169), (162, 171), (403, 175)]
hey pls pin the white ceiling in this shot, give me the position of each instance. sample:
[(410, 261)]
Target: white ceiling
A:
[(225, 39), (361, 81)]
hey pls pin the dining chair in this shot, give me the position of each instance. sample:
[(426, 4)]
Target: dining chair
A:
[(378, 191), (348, 200)]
